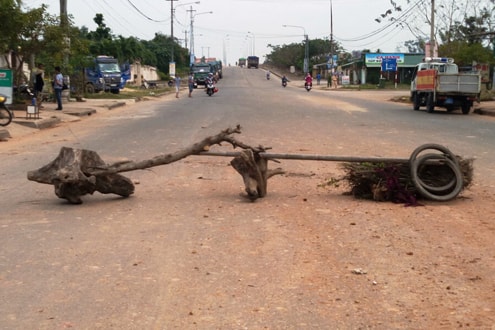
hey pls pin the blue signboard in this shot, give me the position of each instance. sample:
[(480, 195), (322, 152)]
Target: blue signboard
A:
[(332, 61), (389, 64)]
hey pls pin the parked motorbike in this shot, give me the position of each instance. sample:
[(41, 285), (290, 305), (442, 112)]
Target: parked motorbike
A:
[(308, 86), (24, 92), (5, 113)]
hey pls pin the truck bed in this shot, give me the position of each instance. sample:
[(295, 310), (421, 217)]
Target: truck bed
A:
[(450, 83), (464, 83)]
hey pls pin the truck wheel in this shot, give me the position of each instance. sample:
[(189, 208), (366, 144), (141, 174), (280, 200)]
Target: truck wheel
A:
[(416, 101), (430, 105), (466, 107), (90, 89)]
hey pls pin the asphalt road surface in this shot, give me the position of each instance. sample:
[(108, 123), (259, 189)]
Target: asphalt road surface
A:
[(189, 251)]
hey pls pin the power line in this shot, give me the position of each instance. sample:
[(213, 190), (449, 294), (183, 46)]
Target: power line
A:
[(144, 15), (380, 30)]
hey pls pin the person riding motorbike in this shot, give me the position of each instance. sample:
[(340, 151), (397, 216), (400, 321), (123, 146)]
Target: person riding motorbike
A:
[(209, 79), (308, 80), (210, 82), (268, 75), (284, 81)]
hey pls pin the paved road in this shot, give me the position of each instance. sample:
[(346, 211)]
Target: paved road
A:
[(187, 251)]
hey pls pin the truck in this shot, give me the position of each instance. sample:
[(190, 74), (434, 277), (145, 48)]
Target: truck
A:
[(200, 72), (437, 82), (217, 68), (242, 62), (104, 75), (253, 62)]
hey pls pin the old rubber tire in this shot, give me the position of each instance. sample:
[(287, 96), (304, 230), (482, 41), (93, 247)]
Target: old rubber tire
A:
[(430, 106), (430, 192)]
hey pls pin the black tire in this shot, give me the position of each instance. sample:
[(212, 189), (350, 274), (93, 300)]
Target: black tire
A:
[(90, 89), (416, 101), (209, 92), (115, 91), (466, 107), (5, 116), (430, 105), (436, 193)]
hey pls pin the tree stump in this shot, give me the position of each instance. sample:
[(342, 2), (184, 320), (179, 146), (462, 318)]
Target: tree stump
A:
[(70, 174), (253, 170)]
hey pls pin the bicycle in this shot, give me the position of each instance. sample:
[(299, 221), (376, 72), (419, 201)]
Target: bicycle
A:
[(5, 113)]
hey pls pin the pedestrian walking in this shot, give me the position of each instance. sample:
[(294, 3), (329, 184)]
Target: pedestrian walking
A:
[(190, 83), (58, 84), (318, 78), (177, 86)]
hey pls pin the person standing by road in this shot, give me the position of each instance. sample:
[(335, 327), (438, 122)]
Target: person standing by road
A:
[(177, 86), (318, 78), (190, 83), (58, 83), (38, 84), (334, 80)]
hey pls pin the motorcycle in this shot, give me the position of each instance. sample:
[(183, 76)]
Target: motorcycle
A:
[(210, 88), (5, 113), (308, 86), (284, 83), (268, 76), (24, 92)]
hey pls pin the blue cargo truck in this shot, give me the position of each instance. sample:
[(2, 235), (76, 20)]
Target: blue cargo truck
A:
[(105, 75), (253, 62)]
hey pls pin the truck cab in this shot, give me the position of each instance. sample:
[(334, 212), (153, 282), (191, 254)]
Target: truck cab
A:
[(105, 75), (200, 72)]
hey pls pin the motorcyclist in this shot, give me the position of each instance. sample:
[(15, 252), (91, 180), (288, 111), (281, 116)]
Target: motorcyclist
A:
[(209, 79), (284, 80), (268, 75), (308, 79)]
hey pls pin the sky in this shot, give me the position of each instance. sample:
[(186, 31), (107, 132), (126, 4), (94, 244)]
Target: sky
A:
[(238, 28)]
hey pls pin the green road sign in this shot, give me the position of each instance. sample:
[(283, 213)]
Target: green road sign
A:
[(6, 84)]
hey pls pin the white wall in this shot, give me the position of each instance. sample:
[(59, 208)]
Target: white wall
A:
[(148, 72)]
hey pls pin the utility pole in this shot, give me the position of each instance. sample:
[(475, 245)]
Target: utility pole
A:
[(432, 30), (306, 54), (64, 24), (191, 39), (63, 14), (331, 37), (172, 28)]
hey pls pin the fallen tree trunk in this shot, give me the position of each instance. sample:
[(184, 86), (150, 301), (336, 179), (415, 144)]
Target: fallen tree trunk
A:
[(77, 172)]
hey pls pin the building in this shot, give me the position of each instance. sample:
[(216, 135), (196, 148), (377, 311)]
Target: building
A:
[(367, 69)]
